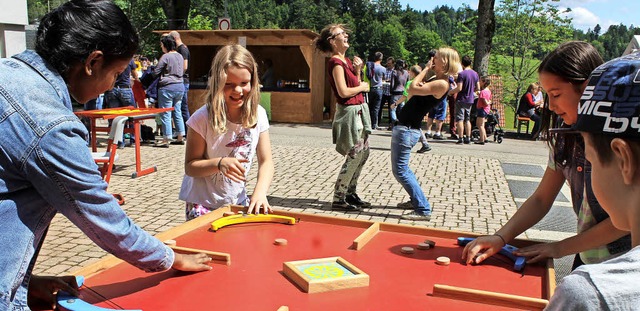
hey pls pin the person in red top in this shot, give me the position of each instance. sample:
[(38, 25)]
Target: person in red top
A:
[(527, 107), (351, 123)]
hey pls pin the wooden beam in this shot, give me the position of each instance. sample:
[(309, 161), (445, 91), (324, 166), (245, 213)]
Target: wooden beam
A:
[(487, 297), (277, 34)]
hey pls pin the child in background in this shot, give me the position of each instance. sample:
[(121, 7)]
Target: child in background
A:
[(608, 121), (224, 135), (483, 108)]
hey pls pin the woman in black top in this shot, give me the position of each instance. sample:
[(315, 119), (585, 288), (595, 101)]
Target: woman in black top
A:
[(405, 135)]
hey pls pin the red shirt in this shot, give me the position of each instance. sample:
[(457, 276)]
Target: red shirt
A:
[(350, 78)]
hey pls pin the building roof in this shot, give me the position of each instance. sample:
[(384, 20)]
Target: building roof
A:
[(281, 37)]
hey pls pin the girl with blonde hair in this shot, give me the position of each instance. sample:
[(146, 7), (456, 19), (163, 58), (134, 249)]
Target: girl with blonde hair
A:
[(224, 135), (423, 96)]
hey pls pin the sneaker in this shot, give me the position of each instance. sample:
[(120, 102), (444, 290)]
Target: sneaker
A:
[(424, 149), (478, 142), (467, 140), (405, 205), (354, 199), (459, 142), (428, 135), (344, 206), (438, 137), (415, 216), (454, 136)]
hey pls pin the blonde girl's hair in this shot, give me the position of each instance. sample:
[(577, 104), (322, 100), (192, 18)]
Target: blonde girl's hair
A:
[(532, 86), (451, 60), (231, 56)]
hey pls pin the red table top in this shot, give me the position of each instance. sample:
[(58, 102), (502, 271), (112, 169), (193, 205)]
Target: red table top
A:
[(255, 281), (110, 113)]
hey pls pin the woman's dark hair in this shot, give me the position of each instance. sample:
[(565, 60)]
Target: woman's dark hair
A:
[(400, 65), (69, 33), (322, 42), (169, 43), (573, 62)]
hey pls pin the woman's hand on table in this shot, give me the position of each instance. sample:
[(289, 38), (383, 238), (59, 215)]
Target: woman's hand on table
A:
[(191, 263), (43, 290)]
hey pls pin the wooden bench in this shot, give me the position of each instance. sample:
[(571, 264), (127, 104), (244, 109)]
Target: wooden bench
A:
[(523, 121)]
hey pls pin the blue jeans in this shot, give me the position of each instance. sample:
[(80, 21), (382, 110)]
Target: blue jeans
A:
[(402, 140), (168, 99), (375, 101), (119, 97)]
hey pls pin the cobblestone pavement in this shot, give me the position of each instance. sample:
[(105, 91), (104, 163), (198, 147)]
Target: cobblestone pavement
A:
[(466, 185)]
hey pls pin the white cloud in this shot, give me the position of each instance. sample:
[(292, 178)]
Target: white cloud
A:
[(584, 19)]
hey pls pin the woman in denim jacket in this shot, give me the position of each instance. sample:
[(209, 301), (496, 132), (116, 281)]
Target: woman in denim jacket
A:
[(45, 166)]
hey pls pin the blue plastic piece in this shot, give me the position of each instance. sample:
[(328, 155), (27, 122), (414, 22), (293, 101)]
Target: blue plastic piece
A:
[(66, 302), (507, 250)]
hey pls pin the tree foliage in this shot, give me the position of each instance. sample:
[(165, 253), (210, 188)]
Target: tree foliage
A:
[(525, 30)]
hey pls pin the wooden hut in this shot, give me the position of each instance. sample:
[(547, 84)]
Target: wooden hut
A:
[(300, 93)]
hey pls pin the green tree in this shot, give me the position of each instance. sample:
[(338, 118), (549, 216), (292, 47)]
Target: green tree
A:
[(523, 35)]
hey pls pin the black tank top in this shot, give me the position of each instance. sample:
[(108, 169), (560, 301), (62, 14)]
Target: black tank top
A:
[(416, 108)]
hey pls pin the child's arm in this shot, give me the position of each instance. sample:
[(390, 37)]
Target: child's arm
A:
[(531, 211), (196, 163), (265, 175), (598, 235)]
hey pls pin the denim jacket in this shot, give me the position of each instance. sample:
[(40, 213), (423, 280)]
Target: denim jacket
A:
[(45, 168)]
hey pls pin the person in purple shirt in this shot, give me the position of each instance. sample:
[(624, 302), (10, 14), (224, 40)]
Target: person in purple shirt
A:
[(468, 82)]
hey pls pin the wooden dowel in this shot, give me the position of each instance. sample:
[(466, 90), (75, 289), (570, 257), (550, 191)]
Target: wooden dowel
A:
[(366, 236), (487, 297), (217, 256)]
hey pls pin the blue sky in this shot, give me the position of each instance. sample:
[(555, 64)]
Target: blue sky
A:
[(585, 13)]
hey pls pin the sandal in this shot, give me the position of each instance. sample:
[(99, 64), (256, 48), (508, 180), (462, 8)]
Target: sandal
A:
[(161, 145)]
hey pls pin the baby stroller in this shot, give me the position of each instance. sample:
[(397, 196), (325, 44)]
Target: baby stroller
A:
[(491, 126)]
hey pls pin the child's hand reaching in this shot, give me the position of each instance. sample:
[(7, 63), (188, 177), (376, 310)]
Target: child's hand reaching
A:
[(259, 202), (191, 263), (233, 168)]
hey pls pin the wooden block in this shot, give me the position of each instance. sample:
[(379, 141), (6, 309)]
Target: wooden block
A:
[(280, 241), (407, 250), (424, 246), (443, 261), (225, 214), (170, 242)]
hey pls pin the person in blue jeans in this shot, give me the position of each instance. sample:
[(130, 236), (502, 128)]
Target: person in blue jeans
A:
[(170, 91), (423, 95), (45, 165)]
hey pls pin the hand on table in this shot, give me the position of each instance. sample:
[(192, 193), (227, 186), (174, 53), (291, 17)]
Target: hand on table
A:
[(258, 202), (539, 252), (43, 290), (233, 168), (191, 263), (481, 248)]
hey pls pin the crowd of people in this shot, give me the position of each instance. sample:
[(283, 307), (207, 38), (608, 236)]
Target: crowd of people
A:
[(590, 117)]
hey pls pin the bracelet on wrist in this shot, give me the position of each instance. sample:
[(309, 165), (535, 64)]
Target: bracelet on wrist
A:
[(501, 238), (219, 162)]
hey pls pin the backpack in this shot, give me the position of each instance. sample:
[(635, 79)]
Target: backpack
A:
[(370, 70)]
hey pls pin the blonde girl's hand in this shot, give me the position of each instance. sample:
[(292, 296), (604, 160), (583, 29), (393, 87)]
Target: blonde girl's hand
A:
[(259, 202), (232, 168)]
